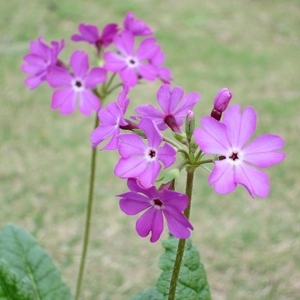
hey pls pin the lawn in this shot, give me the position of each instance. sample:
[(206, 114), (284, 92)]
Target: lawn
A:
[(250, 247)]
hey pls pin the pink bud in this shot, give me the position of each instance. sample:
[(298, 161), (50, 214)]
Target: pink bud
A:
[(220, 103), (222, 99)]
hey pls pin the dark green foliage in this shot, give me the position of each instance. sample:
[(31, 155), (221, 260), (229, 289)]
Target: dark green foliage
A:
[(192, 283), (26, 270)]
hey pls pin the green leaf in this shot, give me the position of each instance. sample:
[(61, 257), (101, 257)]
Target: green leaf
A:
[(192, 283), (28, 261), (150, 294), (11, 286)]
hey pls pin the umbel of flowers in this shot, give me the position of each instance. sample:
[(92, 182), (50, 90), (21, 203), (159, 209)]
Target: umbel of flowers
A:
[(223, 140)]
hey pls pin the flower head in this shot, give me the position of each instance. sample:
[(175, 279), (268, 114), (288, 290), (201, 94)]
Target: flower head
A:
[(221, 102), (90, 34), (40, 59), (237, 158), (143, 161), (174, 107), (156, 204), (76, 86), (135, 26), (129, 64), (111, 118)]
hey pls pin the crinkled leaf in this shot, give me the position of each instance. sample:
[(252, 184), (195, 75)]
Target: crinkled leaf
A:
[(150, 294), (192, 283), (11, 286), (28, 260)]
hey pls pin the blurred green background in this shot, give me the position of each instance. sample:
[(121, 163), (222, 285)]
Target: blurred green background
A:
[(250, 248)]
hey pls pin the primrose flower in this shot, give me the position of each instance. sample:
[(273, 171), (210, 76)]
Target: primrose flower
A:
[(237, 158), (39, 60), (111, 118), (157, 205), (90, 34), (129, 64), (174, 107), (76, 86), (143, 161), (221, 102), (136, 27)]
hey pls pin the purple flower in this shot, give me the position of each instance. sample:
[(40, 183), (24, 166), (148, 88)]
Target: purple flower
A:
[(221, 102), (132, 65), (174, 107), (156, 204), (76, 85), (90, 34), (237, 158), (136, 27), (39, 60), (140, 160), (111, 118)]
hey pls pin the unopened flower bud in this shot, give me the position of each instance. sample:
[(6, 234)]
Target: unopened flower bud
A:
[(220, 103), (189, 124), (172, 123)]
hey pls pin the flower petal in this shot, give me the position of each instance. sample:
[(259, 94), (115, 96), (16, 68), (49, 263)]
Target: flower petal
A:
[(113, 61), (167, 154), (239, 127), (151, 220), (150, 173), (95, 76), (255, 181), (213, 137), (151, 131), (79, 63), (130, 167), (222, 177), (125, 42), (178, 224), (65, 99), (88, 102), (133, 203), (261, 152)]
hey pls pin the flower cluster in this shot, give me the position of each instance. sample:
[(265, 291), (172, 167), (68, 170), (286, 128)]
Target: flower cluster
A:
[(145, 152), (76, 83)]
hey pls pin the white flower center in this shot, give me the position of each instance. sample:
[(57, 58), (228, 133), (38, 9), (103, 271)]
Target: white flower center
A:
[(132, 62), (78, 85), (151, 154), (235, 156)]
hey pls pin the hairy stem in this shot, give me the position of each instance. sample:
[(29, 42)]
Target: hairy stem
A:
[(87, 219), (181, 243)]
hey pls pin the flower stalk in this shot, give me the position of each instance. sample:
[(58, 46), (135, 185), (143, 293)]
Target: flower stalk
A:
[(181, 243), (88, 218)]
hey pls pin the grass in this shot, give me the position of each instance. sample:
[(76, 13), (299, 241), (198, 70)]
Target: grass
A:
[(250, 248)]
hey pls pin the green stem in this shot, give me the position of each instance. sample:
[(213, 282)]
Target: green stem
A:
[(88, 219), (181, 243)]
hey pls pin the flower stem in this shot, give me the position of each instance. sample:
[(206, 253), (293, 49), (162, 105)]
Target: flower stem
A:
[(181, 243), (88, 218)]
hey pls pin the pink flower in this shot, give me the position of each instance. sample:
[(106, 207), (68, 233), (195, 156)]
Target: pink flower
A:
[(221, 102), (143, 161), (136, 27), (111, 118), (39, 60), (76, 86), (174, 107), (90, 34), (130, 64), (157, 205), (237, 158)]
